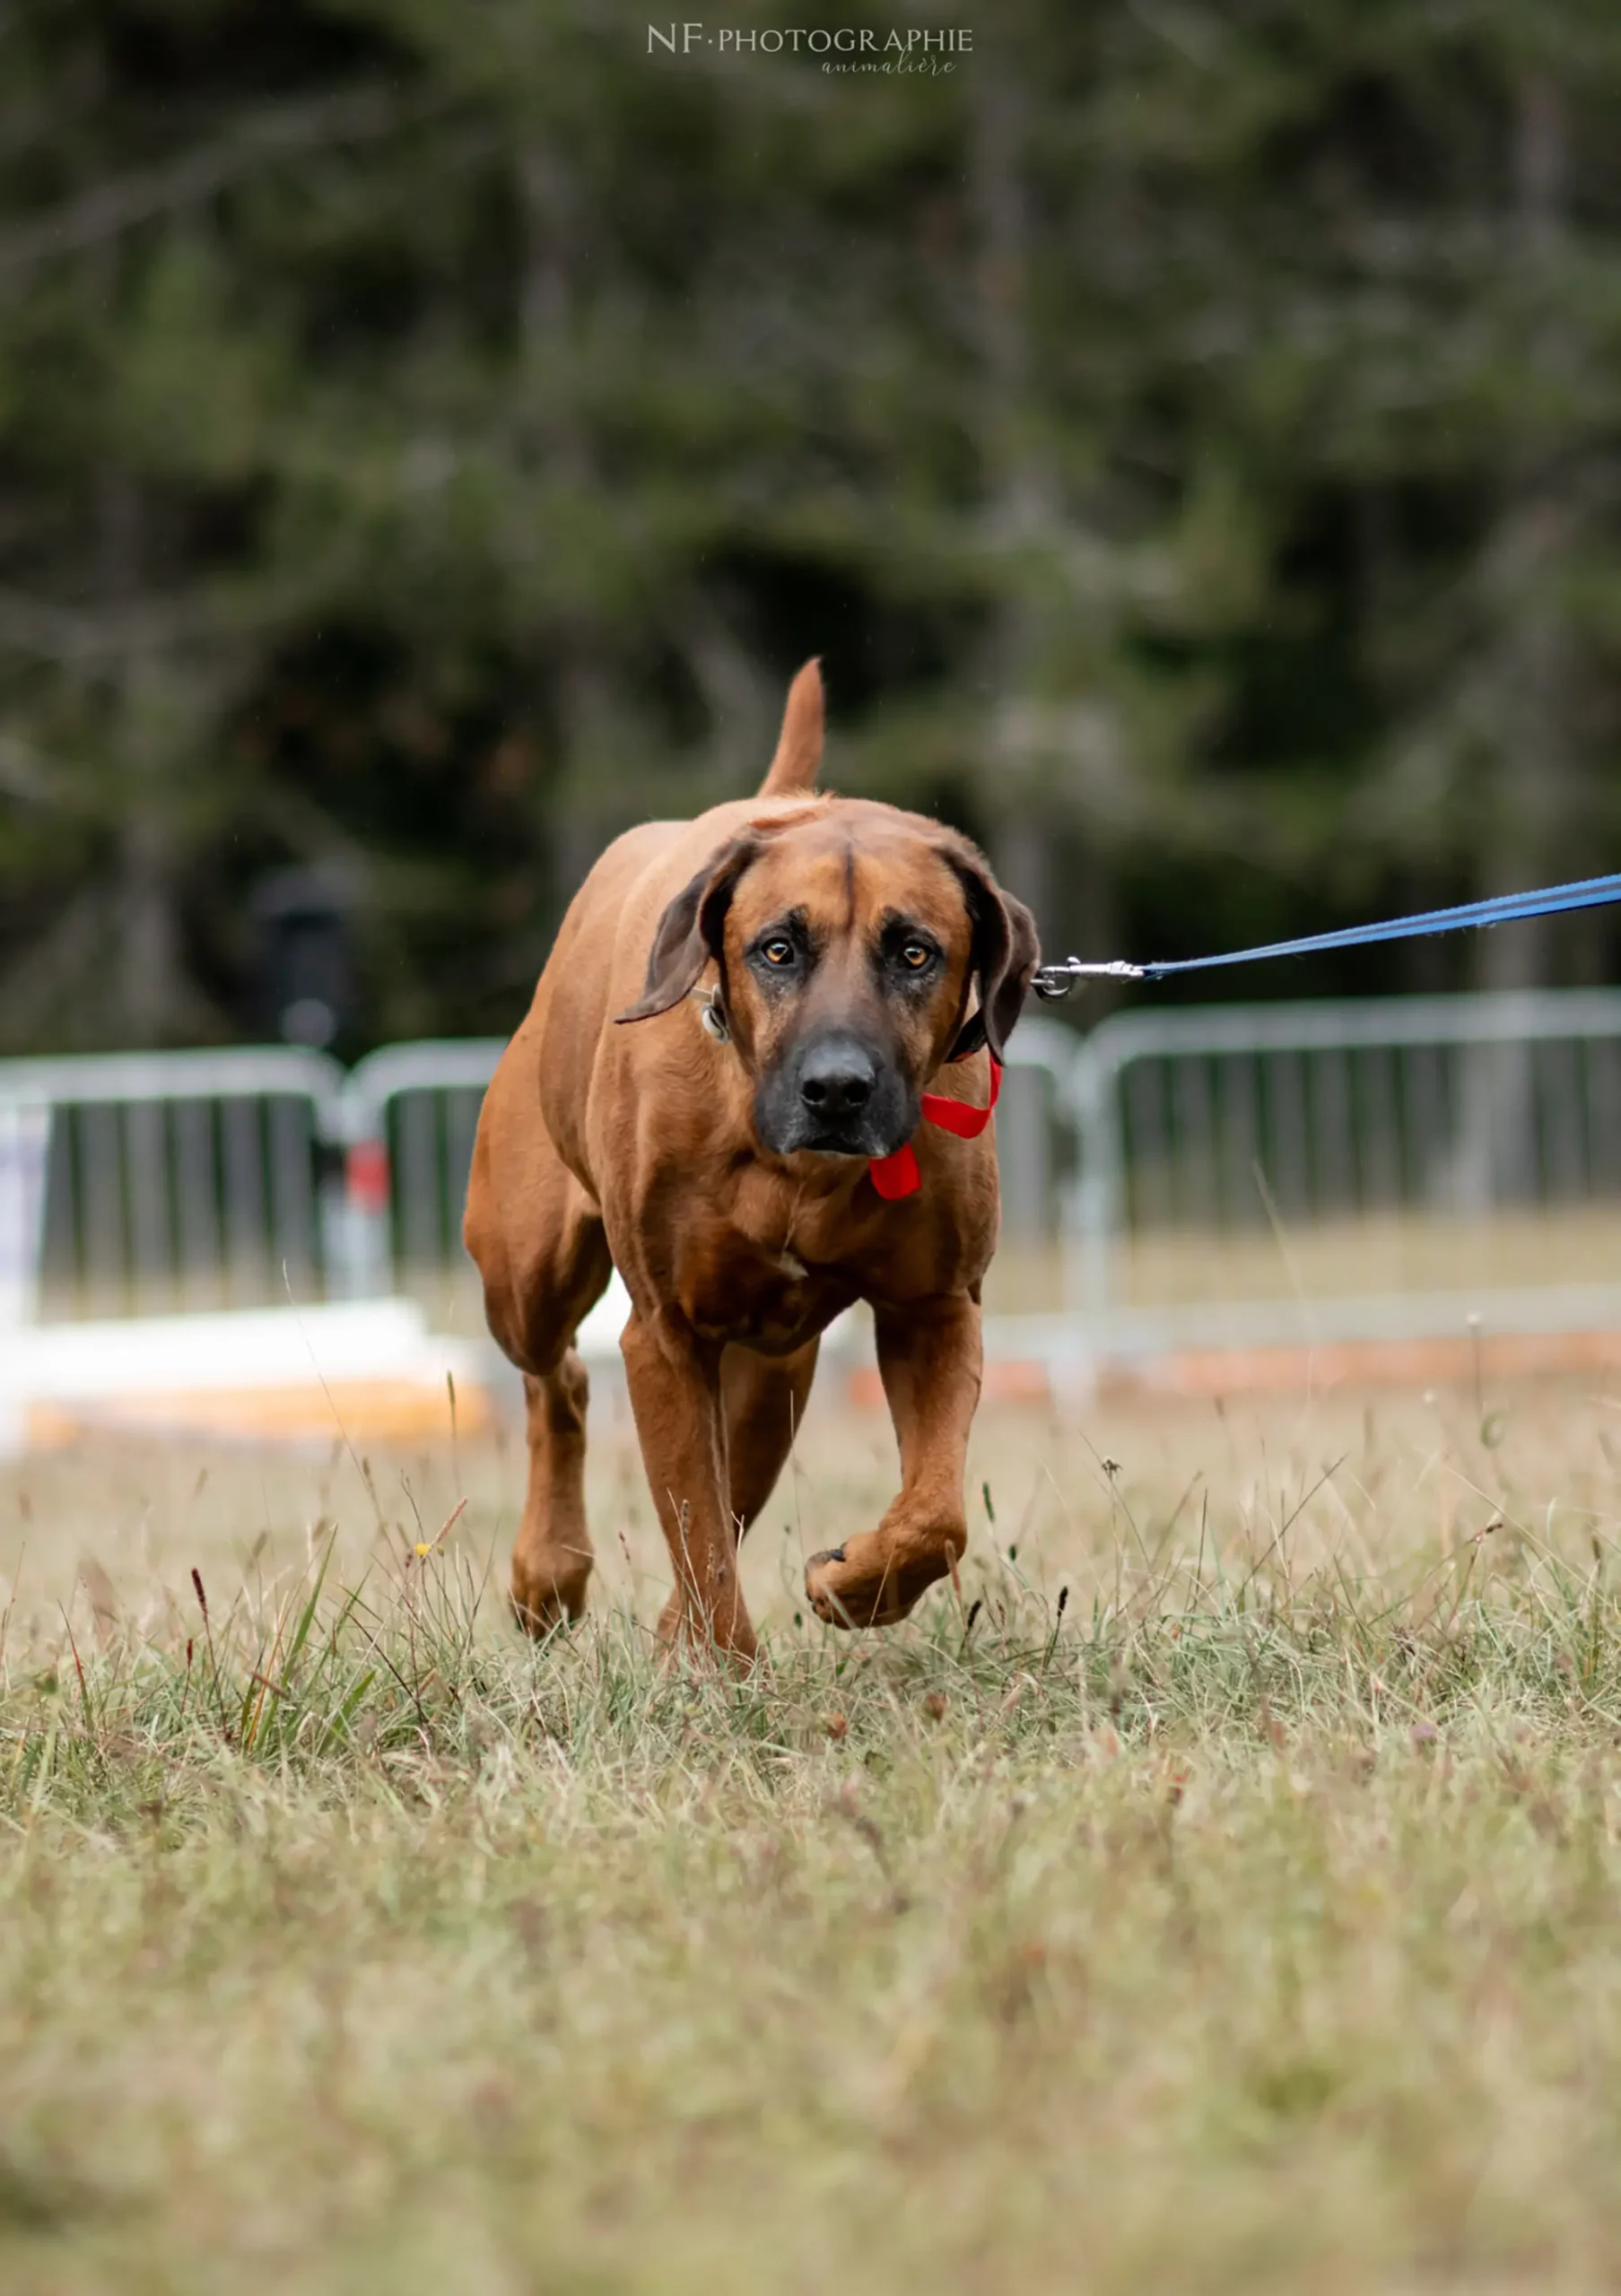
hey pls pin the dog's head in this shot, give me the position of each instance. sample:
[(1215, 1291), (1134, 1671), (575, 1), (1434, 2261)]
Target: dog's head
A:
[(849, 941)]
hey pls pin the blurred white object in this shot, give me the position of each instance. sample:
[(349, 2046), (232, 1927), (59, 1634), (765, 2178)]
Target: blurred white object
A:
[(598, 1338), (348, 1367), (24, 1139)]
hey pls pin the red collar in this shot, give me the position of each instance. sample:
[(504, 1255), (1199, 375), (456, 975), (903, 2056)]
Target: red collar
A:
[(896, 1176)]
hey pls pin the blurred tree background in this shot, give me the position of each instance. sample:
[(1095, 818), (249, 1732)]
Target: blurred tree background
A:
[(431, 430)]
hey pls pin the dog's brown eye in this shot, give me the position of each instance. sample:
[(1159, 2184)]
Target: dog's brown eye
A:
[(915, 955), (778, 952)]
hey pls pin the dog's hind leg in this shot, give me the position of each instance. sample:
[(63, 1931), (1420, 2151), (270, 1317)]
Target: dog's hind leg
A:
[(764, 1398), (540, 1244), (551, 1554)]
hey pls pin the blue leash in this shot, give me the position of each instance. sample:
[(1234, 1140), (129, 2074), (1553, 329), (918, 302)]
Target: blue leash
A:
[(1591, 892)]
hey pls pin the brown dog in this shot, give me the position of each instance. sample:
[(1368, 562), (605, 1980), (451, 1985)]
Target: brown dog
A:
[(718, 1150)]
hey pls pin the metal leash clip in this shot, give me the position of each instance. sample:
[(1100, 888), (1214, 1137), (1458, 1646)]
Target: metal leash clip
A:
[(1057, 979)]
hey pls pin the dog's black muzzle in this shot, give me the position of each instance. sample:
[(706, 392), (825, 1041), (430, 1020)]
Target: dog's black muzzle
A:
[(837, 1094)]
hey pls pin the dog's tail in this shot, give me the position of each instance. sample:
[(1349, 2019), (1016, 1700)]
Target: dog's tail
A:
[(793, 772)]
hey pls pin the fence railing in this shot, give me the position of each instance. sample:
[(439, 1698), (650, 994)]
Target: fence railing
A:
[(1278, 1171), (185, 1180), (410, 1115), (1278, 1168)]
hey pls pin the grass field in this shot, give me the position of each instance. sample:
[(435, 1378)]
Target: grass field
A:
[(1221, 1890)]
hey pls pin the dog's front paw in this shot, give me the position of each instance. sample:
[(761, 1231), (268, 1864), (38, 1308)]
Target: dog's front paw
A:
[(727, 1639), (874, 1578), (549, 1593)]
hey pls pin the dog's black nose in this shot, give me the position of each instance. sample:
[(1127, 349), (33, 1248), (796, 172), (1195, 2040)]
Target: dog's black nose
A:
[(836, 1079)]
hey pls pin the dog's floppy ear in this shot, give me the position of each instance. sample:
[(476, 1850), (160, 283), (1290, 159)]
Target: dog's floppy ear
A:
[(1006, 953), (690, 930)]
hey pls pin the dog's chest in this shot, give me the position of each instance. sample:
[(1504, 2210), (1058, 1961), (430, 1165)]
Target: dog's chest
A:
[(761, 1295)]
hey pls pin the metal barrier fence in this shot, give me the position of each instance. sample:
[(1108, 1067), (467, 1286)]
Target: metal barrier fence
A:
[(186, 1179), (1321, 1168), (1237, 1173), (411, 1112)]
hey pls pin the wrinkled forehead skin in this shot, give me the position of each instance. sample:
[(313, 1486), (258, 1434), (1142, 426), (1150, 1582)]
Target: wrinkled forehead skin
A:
[(849, 871)]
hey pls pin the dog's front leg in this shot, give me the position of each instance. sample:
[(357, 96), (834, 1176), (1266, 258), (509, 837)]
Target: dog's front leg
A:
[(675, 1384), (930, 1361)]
